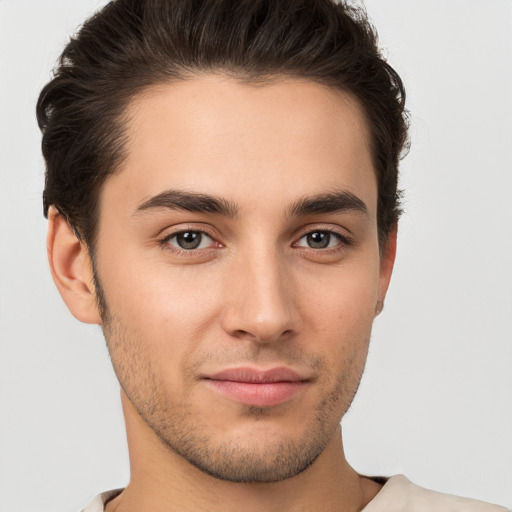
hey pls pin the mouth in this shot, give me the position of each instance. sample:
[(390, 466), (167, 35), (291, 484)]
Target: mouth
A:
[(257, 388)]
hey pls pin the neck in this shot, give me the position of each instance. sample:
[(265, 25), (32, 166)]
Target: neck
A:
[(162, 481)]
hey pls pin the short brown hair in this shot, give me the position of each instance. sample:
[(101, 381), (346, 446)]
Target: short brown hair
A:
[(132, 44)]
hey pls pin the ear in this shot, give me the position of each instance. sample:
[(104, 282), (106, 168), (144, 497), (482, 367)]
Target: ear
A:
[(387, 261), (71, 269)]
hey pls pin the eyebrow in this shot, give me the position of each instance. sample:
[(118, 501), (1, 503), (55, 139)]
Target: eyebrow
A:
[(190, 202), (332, 202)]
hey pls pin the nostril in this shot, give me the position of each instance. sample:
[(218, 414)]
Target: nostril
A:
[(259, 336), (239, 333)]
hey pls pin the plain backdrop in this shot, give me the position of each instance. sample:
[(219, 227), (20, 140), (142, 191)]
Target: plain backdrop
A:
[(436, 399)]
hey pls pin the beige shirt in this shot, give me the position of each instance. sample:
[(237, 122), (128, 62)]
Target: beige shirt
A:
[(397, 495)]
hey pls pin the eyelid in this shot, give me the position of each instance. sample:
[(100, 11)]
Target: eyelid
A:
[(338, 239), (170, 231), (346, 239), (204, 237), (167, 235)]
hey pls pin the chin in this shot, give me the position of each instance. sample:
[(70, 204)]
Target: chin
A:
[(235, 464)]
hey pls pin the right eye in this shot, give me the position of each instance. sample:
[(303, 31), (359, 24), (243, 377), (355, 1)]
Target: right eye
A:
[(320, 240), (190, 240)]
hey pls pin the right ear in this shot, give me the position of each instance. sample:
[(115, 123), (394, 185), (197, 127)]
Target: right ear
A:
[(71, 269)]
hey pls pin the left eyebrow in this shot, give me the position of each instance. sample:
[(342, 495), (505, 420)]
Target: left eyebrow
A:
[(331, 202), (189, 201)]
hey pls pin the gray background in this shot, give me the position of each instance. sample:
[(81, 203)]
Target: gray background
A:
[(436, 400)]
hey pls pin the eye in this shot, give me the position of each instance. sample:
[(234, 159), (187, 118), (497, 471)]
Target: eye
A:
[(190, 240), (320, 240)]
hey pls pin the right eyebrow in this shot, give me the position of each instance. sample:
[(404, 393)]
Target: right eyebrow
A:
[(190, 202), (331, 202)]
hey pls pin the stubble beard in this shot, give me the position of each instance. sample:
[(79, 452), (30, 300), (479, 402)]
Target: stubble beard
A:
[(247, 461), (186, 434)]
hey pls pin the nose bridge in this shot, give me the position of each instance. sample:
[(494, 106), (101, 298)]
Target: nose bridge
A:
[(260, 304)]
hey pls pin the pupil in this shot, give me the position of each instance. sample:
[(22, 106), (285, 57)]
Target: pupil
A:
[(189, 240), (319, 240)]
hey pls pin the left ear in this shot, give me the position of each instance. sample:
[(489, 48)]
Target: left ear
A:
[(387, 261), (71, 269)]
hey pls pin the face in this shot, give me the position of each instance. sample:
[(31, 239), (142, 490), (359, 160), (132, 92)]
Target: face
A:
[(238, 260)]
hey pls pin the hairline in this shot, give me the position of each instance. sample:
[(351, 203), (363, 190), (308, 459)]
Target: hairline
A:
[(124, 117)]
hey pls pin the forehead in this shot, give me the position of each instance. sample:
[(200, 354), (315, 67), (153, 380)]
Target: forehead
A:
[(245, 142)]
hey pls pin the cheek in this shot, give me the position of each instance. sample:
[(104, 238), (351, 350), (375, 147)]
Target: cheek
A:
[(339, 316), (167, 309), (343, 301)]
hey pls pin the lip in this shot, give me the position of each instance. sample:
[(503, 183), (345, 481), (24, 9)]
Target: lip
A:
[(257, 388)]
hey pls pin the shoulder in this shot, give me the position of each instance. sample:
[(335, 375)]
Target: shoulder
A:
[(401, 495), (98, 503)]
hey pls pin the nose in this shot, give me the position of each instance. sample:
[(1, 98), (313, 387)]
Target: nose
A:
[(259, 302)]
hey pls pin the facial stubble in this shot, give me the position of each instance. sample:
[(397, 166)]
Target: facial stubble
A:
[(184, 432)]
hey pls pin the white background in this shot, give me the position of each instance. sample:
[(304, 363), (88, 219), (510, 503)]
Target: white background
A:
[(436, 399)]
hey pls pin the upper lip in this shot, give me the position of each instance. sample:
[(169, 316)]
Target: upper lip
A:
[(258, 376)]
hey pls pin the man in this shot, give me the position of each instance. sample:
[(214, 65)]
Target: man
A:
[(222, 198)]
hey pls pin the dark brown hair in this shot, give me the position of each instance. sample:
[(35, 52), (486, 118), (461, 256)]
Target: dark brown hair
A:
[(132, 44)]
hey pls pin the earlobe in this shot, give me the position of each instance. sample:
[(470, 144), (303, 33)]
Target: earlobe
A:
[(387, 261), (71, 269)]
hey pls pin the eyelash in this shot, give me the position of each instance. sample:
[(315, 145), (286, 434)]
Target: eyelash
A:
[(165, 242), (343, 241)]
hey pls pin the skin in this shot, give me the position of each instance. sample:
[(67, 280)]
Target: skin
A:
[(254, 294)]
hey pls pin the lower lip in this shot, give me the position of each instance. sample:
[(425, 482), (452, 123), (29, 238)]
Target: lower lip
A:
[(257, 394)]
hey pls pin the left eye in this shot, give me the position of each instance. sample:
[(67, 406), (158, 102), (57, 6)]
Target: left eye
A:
[(190, 240), (320, 240)]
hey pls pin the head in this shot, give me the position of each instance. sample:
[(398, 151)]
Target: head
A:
[(130, 46), (223, 182)]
